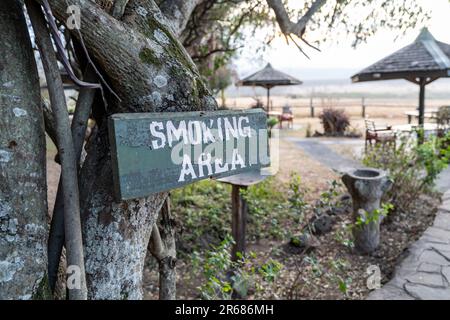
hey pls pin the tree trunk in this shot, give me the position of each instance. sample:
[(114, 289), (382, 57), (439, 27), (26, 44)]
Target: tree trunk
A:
[(23, 188), (150, 71)]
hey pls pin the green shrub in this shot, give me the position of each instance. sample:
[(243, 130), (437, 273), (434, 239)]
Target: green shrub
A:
[(224, 278), (413, 168)]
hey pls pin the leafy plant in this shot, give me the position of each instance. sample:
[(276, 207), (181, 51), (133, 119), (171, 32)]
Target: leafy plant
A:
[(266, 208), (225, 278), (215, 266), (374, 216), (334, 121), (328, 199), (344, 237), (297, 197)]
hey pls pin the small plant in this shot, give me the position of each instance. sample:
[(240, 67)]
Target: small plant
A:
[(297, 197), (343, 236), (316, 267), (334, 121), (338, 266), (270, 270), (225, 278), (328, 199), (266, 207), (373, 217)]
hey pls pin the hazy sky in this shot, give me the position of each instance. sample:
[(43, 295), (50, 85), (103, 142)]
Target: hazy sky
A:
[(342, 56)]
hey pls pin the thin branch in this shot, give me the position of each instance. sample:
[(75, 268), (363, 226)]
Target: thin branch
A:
[(72, 223), (309, 44), (60, 48), (79, 126), (298, 46), (218, 50), (289, 27)]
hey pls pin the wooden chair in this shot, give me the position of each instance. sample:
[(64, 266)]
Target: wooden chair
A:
[(287, 116), (376, 134)]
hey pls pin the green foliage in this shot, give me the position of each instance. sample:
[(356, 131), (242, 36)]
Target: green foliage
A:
[(374, 216), (203, 211), (267, 208), (344, 236), (297, 198), (337, 267), (272, 122), (412, 168), (270, 270), (214, 267), (224, 277)]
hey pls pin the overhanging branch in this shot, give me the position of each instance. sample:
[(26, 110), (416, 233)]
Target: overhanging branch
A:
[(289, 27)]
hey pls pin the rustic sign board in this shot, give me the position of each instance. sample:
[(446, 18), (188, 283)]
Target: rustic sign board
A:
[(154, 152)]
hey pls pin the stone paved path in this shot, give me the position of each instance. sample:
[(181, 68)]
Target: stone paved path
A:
[(317, 149), (425, 272)]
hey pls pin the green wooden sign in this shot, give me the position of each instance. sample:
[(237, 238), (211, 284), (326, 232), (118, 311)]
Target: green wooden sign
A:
[(154, 152)]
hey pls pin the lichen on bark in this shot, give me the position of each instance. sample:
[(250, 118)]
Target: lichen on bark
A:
[(23, 189)]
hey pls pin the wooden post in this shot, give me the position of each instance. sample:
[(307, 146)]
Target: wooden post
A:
[(239, 217), (422, 102), (363, 105), (311, 107), (421, 133)]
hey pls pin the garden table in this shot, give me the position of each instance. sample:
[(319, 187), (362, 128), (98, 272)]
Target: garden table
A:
[(431, 114)]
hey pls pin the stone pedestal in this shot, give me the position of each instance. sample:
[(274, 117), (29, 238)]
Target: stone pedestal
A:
[(366, 186)]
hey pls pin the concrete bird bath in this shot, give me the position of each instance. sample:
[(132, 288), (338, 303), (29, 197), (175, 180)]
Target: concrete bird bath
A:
[(366, 186)]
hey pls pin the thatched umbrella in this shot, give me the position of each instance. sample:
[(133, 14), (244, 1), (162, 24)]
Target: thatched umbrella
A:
[(269, 78), (421, 62)]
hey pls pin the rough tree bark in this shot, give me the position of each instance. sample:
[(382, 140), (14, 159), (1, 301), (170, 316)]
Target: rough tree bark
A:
[(23, 188), (72, 221), (150, 71), (178, 12)]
